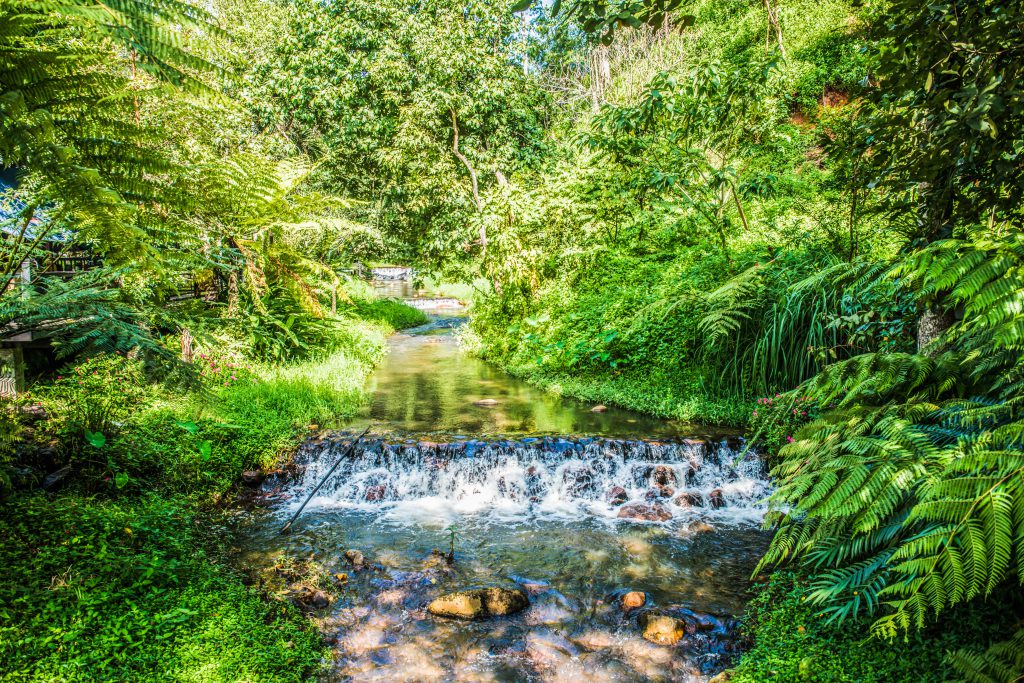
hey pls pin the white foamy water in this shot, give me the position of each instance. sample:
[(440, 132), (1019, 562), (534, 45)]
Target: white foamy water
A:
[(535, 480)]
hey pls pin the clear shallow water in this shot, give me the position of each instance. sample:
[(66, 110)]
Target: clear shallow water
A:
[(426, 384), (527, 510)]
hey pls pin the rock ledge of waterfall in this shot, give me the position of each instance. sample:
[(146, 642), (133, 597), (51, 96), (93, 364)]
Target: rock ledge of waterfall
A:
[(479, 603)]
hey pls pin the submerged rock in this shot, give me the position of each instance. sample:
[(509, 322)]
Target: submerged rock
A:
[(655, 512), (479, 603), (599, 409), (634, 599), (355, 558), (661, 628), (375, 493), (486, 402), (699, 527)]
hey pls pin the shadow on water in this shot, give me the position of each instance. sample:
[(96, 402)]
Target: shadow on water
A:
[(539, 513)]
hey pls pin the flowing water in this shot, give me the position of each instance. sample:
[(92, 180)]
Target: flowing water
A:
[(529, 490)]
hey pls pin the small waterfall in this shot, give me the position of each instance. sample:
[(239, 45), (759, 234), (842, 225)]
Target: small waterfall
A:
[(536, 478)]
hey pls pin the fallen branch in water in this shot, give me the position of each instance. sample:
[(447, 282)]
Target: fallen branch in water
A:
[(316, 488)]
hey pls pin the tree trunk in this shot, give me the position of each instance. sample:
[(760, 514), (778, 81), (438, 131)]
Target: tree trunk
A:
[(936, 213), (600, 75), (932, 323), (186, 345), (465, 162)]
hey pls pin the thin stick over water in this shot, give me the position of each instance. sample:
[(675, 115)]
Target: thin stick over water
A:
[(316, 488)]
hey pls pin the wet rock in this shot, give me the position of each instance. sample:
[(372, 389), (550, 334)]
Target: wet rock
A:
[(355, 558), (486, 402), (310, 598), (716, 499), (721, 677), (461, 605), (55, 480), (436, 560), (252, 478), (665, 476), (699, 527), (689, 499), (480, 603), (659, 492), (578, 480), (375, 493), (616, 495), (655, 512), (634, 599), (599, 409), (502, 601), (662, 629)]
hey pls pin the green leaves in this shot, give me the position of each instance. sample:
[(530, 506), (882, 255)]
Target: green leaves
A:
[(95, 439), (908, 498)]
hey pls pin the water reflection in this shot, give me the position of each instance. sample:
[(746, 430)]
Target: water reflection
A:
[(426, 384)]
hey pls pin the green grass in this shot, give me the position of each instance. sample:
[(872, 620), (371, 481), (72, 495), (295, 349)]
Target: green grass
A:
[(648, 392), (102, 590), (122, 577), (391, 312)]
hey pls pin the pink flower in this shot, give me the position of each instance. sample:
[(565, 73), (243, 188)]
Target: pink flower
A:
[(789, 439)]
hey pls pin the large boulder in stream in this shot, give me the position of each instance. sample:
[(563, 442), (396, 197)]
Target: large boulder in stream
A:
[(662, 629), (479, 603), (640, 512)]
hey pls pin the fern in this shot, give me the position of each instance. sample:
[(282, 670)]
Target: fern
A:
[(908, 497), (1001, 663)]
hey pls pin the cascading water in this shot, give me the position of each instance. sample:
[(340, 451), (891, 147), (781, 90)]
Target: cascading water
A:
[(535, 478), (621, 505)]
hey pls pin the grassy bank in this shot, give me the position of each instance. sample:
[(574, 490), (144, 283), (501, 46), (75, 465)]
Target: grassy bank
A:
[(649, 392), (121, 573)]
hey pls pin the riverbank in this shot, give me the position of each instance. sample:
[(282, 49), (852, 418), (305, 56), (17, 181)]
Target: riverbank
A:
[(649, 392), (126, 572), (117, 570)]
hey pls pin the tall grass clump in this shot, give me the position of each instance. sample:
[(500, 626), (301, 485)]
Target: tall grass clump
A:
[(282, 401)]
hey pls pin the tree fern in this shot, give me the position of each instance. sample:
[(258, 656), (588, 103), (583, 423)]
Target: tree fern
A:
[(1001, 663), (908, 497)]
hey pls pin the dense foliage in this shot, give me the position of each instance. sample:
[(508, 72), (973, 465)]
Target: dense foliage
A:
[(801, 217)]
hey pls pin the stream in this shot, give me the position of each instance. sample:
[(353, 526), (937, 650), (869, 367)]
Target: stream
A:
[(532, 492)]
